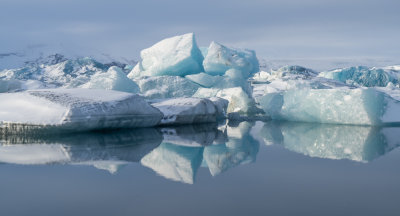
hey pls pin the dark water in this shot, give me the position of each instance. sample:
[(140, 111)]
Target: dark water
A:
[(234, 169)]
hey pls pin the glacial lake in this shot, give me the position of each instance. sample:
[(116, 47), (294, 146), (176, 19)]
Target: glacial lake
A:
[(246, 168)]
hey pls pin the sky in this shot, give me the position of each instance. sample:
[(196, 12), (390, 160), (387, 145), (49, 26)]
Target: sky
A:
[(273, 28)]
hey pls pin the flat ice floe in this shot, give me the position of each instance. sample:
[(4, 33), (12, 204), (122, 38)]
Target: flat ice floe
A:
[(76, 109)]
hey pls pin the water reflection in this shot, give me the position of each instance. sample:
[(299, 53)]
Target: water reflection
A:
[(177, 153), (357, 143)]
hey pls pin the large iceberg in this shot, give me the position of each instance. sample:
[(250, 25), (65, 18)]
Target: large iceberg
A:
[(220, 58), (340, 106), (113, 79), (186, 111), (364, 76), (175, 56), (76, 109)]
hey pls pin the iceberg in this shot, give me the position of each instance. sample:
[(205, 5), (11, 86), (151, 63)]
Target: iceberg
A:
[(357, 143), (221, 105), (364, 76), (239, 101), (178, 163), (186, 111), (175, 56), (338, 106), (232, 78), (160, 87), (75, 109), (220, 58), (113, 79), (205, 80)]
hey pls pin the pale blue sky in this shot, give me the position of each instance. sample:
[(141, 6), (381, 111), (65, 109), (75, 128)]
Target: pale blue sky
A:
[(274, 28)]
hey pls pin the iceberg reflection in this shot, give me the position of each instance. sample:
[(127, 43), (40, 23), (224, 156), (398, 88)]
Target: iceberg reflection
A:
[(177, 153), (357, 143), (104, 150)]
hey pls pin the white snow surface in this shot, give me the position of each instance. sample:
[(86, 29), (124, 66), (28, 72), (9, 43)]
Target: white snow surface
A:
[(86, 108)]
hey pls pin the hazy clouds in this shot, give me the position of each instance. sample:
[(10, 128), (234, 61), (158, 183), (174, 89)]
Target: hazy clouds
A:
[(274, 28)]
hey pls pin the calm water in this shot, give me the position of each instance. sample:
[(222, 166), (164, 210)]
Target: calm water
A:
[(248, 168)]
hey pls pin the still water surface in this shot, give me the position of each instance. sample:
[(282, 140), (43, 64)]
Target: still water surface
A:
[(247, 168)]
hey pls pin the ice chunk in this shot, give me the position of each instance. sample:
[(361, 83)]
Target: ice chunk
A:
[(239, 101), (178, 163), (186, 111), (341, 106), (77, 109), (232, 78), (113, 79), (358, 143), (220, 58), (175, 56), (364, 76), (204, 79), (221, 105), (166, 87)]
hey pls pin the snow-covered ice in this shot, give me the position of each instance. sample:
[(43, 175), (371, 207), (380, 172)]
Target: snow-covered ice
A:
[(186, 111), (113, 79), (77, 109)]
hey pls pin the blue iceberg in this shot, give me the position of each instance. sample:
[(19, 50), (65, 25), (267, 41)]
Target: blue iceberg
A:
[(220, 58), (175, 56), (338, 106)]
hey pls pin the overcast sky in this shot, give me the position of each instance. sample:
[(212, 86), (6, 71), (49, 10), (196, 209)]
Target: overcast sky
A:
[(274, 28)]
